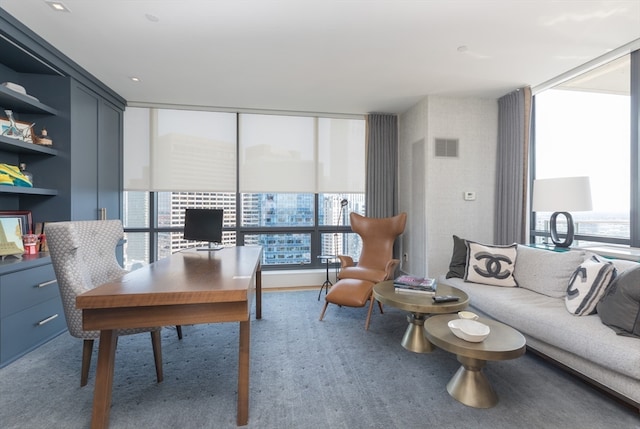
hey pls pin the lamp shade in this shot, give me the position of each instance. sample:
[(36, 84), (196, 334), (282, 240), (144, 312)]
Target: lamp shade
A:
[(562, 194)]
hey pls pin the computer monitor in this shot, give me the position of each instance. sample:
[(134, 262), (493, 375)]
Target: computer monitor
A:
[(204, 225)]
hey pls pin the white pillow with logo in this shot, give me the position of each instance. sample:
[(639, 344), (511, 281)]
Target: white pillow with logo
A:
[(491, 265), (587, 285)]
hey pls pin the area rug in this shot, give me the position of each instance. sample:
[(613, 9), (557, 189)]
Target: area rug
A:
[(304, 374)]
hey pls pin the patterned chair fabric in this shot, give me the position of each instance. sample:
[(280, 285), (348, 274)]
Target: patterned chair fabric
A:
[(83, 256)]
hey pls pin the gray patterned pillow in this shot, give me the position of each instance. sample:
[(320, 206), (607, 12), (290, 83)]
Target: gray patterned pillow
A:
[(587, 285), (491, 265)]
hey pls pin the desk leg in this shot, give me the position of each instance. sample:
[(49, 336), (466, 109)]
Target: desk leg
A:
[(243, 374), (104, 380), (259, 292)]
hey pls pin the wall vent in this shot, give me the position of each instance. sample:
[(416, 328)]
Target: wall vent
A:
[(446, 148)]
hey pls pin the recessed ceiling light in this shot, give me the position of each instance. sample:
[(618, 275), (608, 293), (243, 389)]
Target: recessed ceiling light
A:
[(58, 6), (151, 17), (135, 79)]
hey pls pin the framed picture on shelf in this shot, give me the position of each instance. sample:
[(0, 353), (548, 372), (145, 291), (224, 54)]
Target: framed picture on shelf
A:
[(23, 216), (11, 237), (23, 133)]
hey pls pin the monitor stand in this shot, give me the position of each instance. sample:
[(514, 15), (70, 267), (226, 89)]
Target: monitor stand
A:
[(212, 247)]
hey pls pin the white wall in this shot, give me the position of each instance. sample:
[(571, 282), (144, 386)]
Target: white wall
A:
[(475, 123), (296, 278)]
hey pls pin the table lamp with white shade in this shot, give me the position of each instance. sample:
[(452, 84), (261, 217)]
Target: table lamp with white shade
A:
[(561, 195)]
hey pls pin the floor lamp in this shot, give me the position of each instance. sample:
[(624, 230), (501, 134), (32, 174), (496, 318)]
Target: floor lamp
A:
[(343, 203), (560, 196)]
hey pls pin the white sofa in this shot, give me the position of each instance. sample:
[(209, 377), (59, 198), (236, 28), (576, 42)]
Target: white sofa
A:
[(536, 307)]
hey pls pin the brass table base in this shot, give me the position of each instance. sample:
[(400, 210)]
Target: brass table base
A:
[(470, 386), (414, 339)]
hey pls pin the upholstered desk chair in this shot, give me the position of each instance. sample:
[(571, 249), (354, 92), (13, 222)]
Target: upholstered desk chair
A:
[(83, 254), (376, 262)]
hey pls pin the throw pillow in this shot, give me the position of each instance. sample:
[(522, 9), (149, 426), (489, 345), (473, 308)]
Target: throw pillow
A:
[(587, 285), (458, 259), (546, 272), (619, 308), (491, 265)]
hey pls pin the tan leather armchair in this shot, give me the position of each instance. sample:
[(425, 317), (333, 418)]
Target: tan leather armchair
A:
[(376, 261), (355, 282)]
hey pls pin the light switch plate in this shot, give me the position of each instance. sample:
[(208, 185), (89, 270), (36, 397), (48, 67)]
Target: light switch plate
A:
[(469, 196)]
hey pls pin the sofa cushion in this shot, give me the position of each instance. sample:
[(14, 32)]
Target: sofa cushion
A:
[(587, 285), (545, 271), (458, 258), (491, 265), (619, 308)]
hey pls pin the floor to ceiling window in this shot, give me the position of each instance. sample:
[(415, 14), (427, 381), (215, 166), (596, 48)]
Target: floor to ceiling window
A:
[(286, 183), (583, 128)]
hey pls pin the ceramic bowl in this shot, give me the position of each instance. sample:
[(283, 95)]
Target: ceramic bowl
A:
[(469, 330), (467, 315)]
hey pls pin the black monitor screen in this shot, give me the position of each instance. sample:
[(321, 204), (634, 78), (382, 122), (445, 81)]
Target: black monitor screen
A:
[(203, 225)]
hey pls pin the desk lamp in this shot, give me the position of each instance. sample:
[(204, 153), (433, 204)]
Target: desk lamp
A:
[(560, 196)]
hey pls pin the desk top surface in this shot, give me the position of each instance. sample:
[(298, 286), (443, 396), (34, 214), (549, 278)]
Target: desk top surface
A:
[(187, 277)]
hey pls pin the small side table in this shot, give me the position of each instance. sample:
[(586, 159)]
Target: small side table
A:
[(327, 282), (469, 385)]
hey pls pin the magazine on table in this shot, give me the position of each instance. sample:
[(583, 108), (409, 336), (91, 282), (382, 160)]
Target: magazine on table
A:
[(413, 284)]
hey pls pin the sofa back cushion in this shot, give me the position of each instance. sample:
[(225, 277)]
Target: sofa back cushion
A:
[(619, 308), (490, 265), (545, 271)]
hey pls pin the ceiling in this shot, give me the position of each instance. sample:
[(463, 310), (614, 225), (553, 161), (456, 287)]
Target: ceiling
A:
[(327, 56)]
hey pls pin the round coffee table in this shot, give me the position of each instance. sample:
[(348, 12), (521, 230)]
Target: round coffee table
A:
[(469, 385), (419, 305)]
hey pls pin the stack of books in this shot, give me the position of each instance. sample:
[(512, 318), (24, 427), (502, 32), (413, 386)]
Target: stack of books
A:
[(412, 284)]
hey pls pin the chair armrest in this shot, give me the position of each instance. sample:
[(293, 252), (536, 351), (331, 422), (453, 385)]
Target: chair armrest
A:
[(345, 261), (390, 269)]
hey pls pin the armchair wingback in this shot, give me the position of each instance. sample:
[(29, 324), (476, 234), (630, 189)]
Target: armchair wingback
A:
[(376, 262)]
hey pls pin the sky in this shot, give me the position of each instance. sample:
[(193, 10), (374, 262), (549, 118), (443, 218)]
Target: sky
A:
[(586, 134)]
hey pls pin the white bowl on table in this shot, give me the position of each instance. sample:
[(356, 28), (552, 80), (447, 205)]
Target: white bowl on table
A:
[(467, 315), (469, 330)]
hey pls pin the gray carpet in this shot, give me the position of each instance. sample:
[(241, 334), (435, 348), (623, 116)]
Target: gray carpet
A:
[(304, 374)]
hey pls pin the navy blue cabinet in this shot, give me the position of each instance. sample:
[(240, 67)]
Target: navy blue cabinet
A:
[(79, 177), (30, 306)]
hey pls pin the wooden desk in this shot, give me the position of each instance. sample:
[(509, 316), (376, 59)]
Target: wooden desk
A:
[(190, 287)]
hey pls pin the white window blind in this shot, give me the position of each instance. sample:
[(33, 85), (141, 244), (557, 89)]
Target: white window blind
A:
[(195, 151), (301, 154), (277, 153), (341, 155), (179, 150)]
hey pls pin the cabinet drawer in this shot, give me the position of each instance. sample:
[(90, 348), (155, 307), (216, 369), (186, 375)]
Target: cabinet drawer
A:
[(26, 330), (22, 289)]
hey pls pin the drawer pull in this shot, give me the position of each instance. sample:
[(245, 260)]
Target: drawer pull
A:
[(50, 282), (47, 320)]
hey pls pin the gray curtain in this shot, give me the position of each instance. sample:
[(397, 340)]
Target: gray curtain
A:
[(514, 123), (381, 189)]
